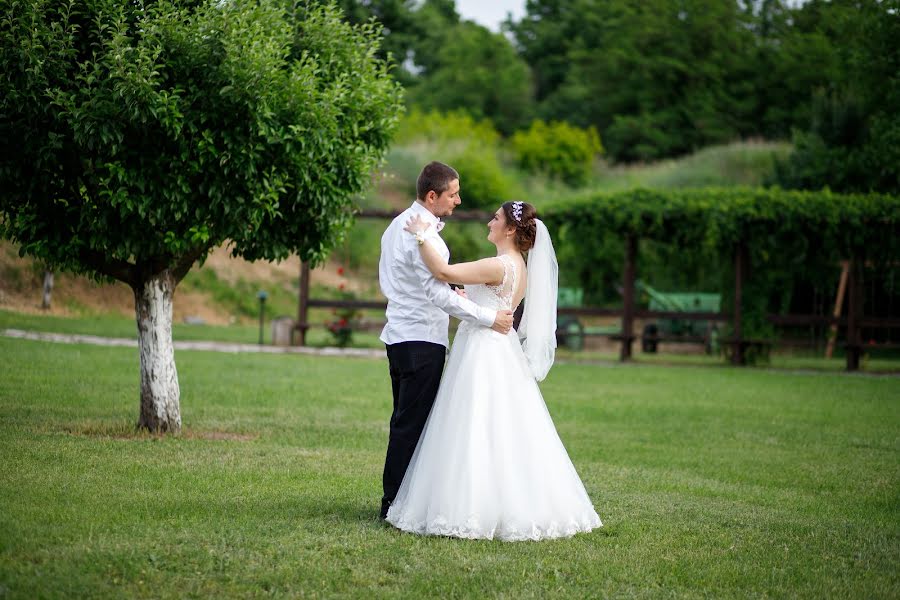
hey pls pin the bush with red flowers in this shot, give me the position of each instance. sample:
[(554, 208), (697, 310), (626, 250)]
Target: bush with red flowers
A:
[(341, 326)]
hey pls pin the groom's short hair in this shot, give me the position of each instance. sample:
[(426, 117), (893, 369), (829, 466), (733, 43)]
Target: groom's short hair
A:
[(434, 176)]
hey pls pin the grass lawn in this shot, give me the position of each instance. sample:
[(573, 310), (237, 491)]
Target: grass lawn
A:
[(881, 363), (710, 482)]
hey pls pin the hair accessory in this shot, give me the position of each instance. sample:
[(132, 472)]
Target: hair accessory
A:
[(517, 211)]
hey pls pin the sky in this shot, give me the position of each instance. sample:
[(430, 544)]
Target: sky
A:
[(490, 13)]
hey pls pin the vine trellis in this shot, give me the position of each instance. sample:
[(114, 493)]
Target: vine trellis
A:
[(759, 230)]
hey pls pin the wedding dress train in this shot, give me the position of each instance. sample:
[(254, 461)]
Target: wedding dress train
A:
[(489, 463)]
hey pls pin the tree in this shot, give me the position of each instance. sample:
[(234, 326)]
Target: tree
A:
[(851, 140), (447, 64), (793, 58), (399, 29), (656, 78), (138, 136), (478, 72), (660, 78)]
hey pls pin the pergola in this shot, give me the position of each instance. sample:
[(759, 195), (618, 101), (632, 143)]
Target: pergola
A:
[(857, 225)]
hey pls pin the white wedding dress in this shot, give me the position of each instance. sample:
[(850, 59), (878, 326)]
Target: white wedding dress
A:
[(490, 463)]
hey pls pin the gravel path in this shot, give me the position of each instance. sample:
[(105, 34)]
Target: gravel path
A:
[(65, 338)]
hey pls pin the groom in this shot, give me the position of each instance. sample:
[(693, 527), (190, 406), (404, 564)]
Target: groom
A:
[(417, 321)]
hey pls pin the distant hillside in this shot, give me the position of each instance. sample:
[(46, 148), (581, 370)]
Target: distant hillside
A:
[(749, 163), (220, 292)]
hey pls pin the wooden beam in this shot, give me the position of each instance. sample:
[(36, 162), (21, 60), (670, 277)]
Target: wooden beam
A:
[(740, 267), (628, 278), (838, 307), (302, 325), (854, 312)]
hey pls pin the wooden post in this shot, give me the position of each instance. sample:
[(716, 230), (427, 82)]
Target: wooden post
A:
[(303, 311), (628, 297), (854, 312), (740, 267), (838, 307)]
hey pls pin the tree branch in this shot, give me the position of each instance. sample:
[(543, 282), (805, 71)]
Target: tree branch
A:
[(117, 269), (185, 263)]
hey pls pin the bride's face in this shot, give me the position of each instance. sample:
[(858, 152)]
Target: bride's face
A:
[(497, 227)]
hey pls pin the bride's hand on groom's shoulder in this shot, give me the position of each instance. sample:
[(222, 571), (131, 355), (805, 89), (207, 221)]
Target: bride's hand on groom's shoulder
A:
[(415, 225)]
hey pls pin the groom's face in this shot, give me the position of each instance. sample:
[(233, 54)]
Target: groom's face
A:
[(444, 203)]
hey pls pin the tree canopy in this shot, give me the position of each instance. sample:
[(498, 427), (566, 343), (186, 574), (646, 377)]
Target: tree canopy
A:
[(659, 79), (138, 136), (145, 136), (852, 140), (479, 71)]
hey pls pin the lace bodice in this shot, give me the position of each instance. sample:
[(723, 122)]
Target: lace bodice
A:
[(500, 296)]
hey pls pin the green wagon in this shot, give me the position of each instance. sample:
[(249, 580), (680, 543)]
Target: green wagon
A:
[(675, 329)]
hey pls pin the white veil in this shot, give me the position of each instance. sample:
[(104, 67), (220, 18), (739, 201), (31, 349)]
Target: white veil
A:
[(537, 330)]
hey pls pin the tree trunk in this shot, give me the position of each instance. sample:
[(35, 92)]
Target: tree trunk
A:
[(160, 408), (48, 290)]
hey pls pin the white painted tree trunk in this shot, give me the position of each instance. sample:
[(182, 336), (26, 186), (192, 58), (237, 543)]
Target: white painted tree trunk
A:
[(48, 290), (160, 407)]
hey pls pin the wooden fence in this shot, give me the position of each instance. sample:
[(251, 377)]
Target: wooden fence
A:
[(853, 322)]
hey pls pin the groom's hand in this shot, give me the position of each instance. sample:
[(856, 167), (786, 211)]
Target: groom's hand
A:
[(503, 321)]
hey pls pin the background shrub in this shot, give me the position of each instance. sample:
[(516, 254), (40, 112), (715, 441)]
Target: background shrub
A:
[(483, 181), (558, 150)]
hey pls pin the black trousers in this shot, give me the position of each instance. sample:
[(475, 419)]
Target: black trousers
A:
[(416, 369)]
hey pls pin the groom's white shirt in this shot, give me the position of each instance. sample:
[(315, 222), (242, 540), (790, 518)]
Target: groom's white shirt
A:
[(418, 304)]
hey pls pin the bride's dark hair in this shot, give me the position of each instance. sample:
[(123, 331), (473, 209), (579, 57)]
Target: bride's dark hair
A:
[(526, 228)]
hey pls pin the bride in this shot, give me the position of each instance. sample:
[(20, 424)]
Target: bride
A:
[(489, 463)]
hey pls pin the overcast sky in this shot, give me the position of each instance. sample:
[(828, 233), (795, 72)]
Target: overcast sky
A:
[(490, 13)]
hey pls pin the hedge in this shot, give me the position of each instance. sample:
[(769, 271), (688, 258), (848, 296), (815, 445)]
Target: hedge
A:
[(789, 235)]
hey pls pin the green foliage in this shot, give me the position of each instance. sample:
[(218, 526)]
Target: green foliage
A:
[(145, 137), (445, 128), (558, 150), (478, 71), (400, 29), (788, 235), (484, 182), (851, 143), (656, 78), (359, 250), (471, 146), (644, 138), (341, 325), (467, 241), (659, 79)]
